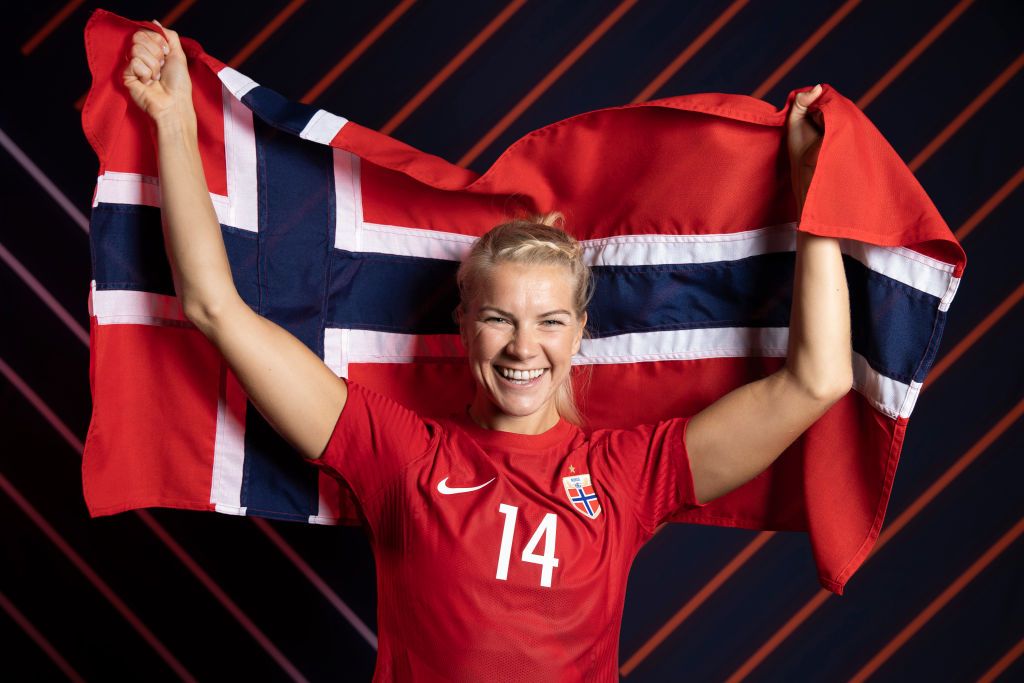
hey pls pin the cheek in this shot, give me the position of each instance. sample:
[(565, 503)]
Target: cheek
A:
[(561, 348), (486, 343)]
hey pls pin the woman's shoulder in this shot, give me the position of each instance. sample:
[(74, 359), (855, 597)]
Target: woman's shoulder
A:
[(634, 433)]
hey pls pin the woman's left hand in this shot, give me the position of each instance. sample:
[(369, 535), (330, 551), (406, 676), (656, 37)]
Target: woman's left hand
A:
[(805, 131)]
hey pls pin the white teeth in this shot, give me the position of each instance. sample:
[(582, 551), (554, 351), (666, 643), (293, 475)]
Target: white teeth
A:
[(520, 375)]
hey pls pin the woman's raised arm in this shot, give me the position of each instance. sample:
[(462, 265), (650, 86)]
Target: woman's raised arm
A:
[(741, 434), (290, 386)]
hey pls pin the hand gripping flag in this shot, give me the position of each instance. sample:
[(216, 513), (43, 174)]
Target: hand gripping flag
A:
[(350, 240)]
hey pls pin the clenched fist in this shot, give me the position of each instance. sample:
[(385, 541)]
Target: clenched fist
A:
[(157, 75), (804, 135)]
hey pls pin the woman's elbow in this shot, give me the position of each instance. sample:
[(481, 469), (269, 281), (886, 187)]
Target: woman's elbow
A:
[(826, 389), (205, 315), (836, 388)]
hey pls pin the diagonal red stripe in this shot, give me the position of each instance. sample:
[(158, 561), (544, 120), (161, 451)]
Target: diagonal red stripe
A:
[(989, 206), (546, 82), (794, 622), (690, 50), (49, 27), (997, 314), (812, 41), (969, 111), (989, 321), (913, 53), (1004, 663), (357, 51), (936, 605), (951, 357), (266, 32), (176, 12), (450, 68)]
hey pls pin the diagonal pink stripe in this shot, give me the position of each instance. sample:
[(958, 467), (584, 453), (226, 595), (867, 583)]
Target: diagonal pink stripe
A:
[(220, 595), (300, 563), (44, 181), (40, 291), (156, 528), (38, 403), (45, 645), (94, 579), (51, 302)]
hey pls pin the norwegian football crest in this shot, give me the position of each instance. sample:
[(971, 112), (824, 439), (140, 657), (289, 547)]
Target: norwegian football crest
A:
[(582, 495)]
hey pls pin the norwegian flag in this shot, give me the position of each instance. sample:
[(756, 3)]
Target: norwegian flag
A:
[(582, 495), (350, 240)]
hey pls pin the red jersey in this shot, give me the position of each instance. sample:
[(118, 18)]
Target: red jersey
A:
[(503, 556)]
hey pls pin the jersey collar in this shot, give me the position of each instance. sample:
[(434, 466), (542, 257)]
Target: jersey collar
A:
[(494, 438)]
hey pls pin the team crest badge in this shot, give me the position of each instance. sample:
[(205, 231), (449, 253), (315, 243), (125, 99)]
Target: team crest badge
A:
[(582, 495)]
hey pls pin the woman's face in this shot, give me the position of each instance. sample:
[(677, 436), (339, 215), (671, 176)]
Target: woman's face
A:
[(522, 320)]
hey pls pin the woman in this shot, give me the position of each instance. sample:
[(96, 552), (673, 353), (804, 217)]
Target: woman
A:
[(503, 537)]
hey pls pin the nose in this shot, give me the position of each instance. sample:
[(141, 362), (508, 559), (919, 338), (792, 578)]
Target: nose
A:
[(523, 344)]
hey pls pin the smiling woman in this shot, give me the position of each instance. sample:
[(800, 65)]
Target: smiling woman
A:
[(522, 316), (510, 509)]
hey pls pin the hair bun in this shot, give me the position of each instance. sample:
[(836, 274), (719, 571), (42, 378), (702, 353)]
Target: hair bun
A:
[(552, 219)]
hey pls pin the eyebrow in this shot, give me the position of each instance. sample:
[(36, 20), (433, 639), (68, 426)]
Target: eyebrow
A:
[(509, 315)]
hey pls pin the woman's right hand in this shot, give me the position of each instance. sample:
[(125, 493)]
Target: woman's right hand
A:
[(157, 75), (287, 382)]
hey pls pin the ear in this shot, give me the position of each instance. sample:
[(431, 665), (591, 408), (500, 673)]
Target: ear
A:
[(457, 314), (579, 334)]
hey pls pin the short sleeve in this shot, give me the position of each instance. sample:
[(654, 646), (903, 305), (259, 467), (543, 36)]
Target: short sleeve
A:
[(374, 440), (650, 465)]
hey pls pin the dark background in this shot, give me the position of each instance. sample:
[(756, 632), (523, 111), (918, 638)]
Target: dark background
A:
[(162, 594)]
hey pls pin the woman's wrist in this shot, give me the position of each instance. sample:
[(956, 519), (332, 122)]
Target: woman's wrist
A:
[(175, 122)]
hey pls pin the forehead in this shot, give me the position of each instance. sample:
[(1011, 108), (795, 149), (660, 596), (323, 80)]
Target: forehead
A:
[(525, 287)]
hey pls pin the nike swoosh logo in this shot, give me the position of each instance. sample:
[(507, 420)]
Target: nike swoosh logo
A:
[(443, 487)]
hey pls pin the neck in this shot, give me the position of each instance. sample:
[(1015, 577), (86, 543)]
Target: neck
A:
[(487, 415)]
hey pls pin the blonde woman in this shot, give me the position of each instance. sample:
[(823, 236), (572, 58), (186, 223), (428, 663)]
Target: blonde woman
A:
[(503, 536)]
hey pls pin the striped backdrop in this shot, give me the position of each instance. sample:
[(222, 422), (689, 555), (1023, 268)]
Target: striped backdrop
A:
[(939, 79)]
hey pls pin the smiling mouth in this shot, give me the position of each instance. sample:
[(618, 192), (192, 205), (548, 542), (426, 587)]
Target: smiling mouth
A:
[(520, 378)]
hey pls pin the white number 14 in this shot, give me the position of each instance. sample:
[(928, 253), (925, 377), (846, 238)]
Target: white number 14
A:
[(546, 529)]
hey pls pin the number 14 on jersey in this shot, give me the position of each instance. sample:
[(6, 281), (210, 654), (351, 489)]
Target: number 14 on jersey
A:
[(546, 531)]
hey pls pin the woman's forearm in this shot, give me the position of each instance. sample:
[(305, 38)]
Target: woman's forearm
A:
[(819, 353), (192, 235)]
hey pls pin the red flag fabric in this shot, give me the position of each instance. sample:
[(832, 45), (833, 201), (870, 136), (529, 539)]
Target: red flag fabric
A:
[(350, 239)]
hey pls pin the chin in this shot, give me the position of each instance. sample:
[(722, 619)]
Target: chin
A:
[(518, 409), (521, 406)]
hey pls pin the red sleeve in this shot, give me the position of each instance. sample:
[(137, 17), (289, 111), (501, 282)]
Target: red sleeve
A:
[(650, 466), (374, 440)]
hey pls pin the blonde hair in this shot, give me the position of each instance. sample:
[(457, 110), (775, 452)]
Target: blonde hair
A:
[(534, 239)]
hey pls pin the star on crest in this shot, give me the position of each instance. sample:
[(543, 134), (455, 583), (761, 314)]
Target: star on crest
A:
[(572, 470)]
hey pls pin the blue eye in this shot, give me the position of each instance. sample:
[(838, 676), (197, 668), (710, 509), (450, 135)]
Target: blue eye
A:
[(503, 320)]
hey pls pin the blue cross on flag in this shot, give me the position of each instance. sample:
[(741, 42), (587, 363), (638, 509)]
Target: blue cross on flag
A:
[(582, 495)]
